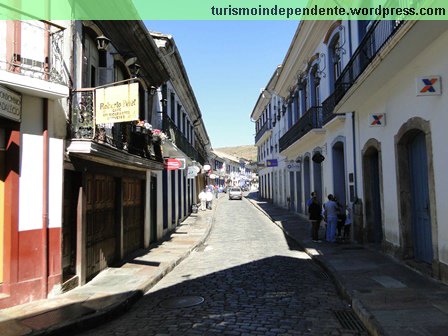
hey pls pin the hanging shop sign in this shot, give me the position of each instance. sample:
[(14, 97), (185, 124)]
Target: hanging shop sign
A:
[(10, 104), (117, 104), (192, 172), (318, 157), (377, 120), (429, 86), (174, 164), (293, 166), (272, 163)]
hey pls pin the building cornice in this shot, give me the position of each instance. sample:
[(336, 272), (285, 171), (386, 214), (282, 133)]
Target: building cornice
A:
[(266, 94), (179, 80), (308, 37)]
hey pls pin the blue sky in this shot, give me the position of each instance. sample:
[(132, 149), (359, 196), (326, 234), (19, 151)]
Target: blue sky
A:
[(228, 62)]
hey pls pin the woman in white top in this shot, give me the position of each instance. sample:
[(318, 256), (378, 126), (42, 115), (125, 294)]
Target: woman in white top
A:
[(331, 210), (203, 198)]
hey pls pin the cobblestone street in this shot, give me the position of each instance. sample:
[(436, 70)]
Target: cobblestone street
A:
[(254, 281)]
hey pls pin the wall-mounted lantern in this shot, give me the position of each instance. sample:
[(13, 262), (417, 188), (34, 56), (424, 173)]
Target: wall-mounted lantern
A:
[(102, 42)]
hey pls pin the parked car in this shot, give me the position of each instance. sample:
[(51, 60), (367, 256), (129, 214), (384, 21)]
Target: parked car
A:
[(235, 193)]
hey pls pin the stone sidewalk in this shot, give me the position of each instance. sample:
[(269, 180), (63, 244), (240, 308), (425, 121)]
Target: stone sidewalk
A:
[(389, 297), (112, 291)]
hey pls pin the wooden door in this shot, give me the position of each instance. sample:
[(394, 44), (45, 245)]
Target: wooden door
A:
[(133, 210), (153, 210), (299, 191), (72, 184), (421, 219), (101, 223), (292, 200)]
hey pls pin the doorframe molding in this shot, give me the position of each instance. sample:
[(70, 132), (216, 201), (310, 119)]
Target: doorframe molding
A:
[(342, 139), (370, 144), (403, 137)]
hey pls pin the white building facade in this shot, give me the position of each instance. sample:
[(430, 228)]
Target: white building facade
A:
[(34, 85), (364, 104)]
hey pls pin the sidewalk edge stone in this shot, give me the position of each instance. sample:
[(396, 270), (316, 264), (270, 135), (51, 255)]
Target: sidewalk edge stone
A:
[(103, 315)]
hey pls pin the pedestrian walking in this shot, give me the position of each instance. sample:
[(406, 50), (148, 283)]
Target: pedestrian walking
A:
[(331, 217), (341, 218), (216, 191), (313, 194), (348, 222), (203, 199), (209, 199), (315, 215)]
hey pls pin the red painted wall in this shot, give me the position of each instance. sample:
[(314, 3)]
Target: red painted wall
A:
[(22, 250), (27, 287)]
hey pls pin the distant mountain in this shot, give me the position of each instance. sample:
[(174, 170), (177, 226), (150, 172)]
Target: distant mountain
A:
[(248, 152)]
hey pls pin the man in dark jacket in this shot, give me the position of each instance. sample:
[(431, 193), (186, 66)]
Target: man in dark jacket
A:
[(315, 215)]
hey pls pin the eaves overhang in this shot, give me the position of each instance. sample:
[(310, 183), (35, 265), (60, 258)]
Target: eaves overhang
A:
[(306, 40), (304, 143), (103, 154), (264, 137), (172, 61), (265, 95), (131, 39)]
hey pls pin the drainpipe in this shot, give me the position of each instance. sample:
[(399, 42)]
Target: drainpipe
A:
[(45, 170), (45, 193), (350, 38), (147, 116), (355, 178)]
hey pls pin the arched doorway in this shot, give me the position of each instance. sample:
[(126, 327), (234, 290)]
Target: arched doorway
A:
[(372, 181), (317, 174), (306, 180), (339, 172), (292, 196), (416, 188), (299, 191), (269, 187), (421, 218)]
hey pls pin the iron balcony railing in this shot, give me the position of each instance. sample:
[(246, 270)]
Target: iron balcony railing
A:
[(125, 136), (315, 117), (328, 108), (31, 60), (263, 130), (377, 36), (179, 139), (202, 155), (310, 120)]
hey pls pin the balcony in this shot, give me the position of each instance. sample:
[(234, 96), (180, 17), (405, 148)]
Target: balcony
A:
[(202, 155), (315, 118), (112, 141), (180, 141), (328, 108), (37, 62), (310, 120), (263, 131), (377, 36)]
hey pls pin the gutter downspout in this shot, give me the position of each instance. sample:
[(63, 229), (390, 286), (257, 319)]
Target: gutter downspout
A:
[(45, 173), (147, 116), (45, 193), (355, 177)]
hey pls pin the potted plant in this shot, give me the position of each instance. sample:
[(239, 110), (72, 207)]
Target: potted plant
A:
[(158, 136)]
